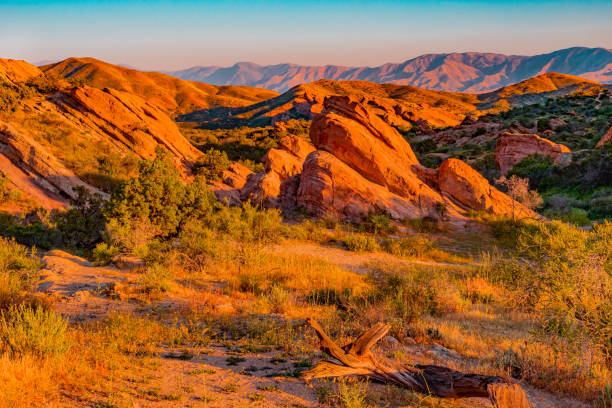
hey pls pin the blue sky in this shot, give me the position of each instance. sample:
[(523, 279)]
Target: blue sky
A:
[(178, 34)]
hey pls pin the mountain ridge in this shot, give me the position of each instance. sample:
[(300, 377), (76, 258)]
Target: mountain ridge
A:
[(473, 72), (170, 94)]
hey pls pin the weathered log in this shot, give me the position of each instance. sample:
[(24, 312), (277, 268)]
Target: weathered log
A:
[(356, 358)]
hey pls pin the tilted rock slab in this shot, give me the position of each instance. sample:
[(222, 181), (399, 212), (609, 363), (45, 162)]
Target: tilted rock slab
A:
[(514, 147)]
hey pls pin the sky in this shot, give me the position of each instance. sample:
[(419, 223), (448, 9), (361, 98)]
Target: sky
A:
[(172, 35)]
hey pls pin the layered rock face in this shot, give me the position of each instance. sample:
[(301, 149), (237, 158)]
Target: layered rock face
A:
[(130, 120), (359, 164), (36, 171), (512, 148)]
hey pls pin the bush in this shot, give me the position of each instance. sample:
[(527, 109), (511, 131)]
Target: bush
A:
[(18, 270), (409, 247), (156, 279), (360, 243), (36, 331), (564, 274), (82, 225), (104, 253), (159, 196), (211, 163), (378, 224), (407, 295)]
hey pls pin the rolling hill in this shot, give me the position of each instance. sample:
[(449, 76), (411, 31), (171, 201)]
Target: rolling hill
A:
[(400, 105), (454, 72), (170, 94)]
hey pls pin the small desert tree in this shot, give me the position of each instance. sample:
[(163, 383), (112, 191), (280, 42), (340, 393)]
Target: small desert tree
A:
[(518, 189)]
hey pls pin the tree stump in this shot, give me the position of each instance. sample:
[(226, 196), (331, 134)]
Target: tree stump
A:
[(356, 358)]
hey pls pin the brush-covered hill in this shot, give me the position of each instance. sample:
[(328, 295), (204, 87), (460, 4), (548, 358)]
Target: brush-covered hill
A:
[(400, 105), (57, 134), (168, 93), (454, 72)]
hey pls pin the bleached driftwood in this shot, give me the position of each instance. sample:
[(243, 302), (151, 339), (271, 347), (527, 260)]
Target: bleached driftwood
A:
[(356, 359)]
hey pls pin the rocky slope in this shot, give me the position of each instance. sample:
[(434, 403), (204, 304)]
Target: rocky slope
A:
[(167, 93), (64, 136), (455, 72), (403, 106), (362, 165)]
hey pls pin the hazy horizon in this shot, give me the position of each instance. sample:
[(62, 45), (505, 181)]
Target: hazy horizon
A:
[(163, 35)]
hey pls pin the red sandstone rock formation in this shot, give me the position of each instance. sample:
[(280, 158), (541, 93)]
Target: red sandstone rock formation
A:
[(512, 148), (40, 173), (607, 138), (130, 121), (471, 189), (363, 165)]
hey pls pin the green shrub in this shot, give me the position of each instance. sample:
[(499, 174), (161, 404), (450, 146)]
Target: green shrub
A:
[(408, 294), (409, 246), (19, 267), (565, 275), (104, 253), (360, 243), (377, 224), (211, 163), (82, 225), (156, 279), (36, 331), (159, 196)]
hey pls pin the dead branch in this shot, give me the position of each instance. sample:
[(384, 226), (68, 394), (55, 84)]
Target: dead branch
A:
[(356, 358)]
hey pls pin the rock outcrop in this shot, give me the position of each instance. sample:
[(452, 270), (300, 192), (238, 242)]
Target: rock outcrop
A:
[(514, 147), (288, 158), (40, 172), (458, 180), (272, 187), (359, 164), (129, 120), (607, 138)]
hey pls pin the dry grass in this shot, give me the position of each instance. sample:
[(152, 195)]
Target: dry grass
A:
[(237, 295)]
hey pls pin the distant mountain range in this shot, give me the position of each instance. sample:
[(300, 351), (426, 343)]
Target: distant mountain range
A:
[(456, 72)]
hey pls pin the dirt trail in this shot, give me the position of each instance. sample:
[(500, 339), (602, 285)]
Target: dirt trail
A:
[(81, 291)]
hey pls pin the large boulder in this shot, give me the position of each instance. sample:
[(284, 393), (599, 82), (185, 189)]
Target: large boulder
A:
[(330, 186), (236, 175), (514, 147), (288, 158), (262, 189), (472, 190), (362, 140)]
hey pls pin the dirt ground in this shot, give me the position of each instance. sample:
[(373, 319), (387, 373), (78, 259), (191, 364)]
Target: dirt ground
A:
[(214, 376)]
